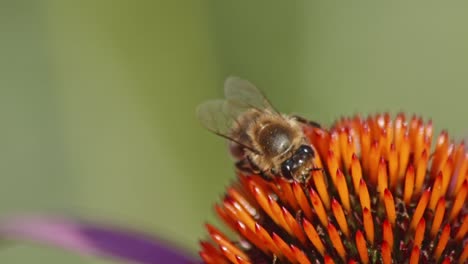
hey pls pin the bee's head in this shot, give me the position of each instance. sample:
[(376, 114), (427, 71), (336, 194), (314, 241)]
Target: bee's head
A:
[(299, 165)]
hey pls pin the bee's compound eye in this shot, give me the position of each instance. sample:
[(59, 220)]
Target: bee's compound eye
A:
[(287, 168), (306, 150)]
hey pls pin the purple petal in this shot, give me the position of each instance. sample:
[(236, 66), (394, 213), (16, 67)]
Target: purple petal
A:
[(92, 239)]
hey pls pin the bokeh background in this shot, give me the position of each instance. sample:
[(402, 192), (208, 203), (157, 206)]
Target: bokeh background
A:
[(97, 98)]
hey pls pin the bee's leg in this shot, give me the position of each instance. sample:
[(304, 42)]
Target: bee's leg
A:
[(275, 260), (307, 121), (247, 166), (318, 169), (305, 178), (244, 165), (265, 176)]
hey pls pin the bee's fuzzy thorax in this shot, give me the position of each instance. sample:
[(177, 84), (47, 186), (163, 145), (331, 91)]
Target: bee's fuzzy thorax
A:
[(266, 161), (387, 194)]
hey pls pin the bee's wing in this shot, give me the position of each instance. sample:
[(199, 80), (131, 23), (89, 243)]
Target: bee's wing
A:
[(218, 116), (243, 95), (214, 116)]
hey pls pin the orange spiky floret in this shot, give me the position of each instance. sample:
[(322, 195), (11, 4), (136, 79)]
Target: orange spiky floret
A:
[(414, 259), (385, 196), (362, 247), (387, 233), (386, 253), (340, 217)]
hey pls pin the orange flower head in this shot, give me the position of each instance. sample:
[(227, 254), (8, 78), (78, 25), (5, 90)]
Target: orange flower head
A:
[(386, 194)]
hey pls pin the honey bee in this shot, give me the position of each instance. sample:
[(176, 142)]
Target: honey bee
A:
[(262, 140)]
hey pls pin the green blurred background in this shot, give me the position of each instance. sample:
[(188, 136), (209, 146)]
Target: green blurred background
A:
[(97, 98)]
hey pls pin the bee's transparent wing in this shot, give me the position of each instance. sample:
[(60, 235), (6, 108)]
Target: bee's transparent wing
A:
[(214, 116), (243, 95), (218, 116)]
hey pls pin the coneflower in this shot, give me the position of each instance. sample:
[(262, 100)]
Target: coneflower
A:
[(386, 194)]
